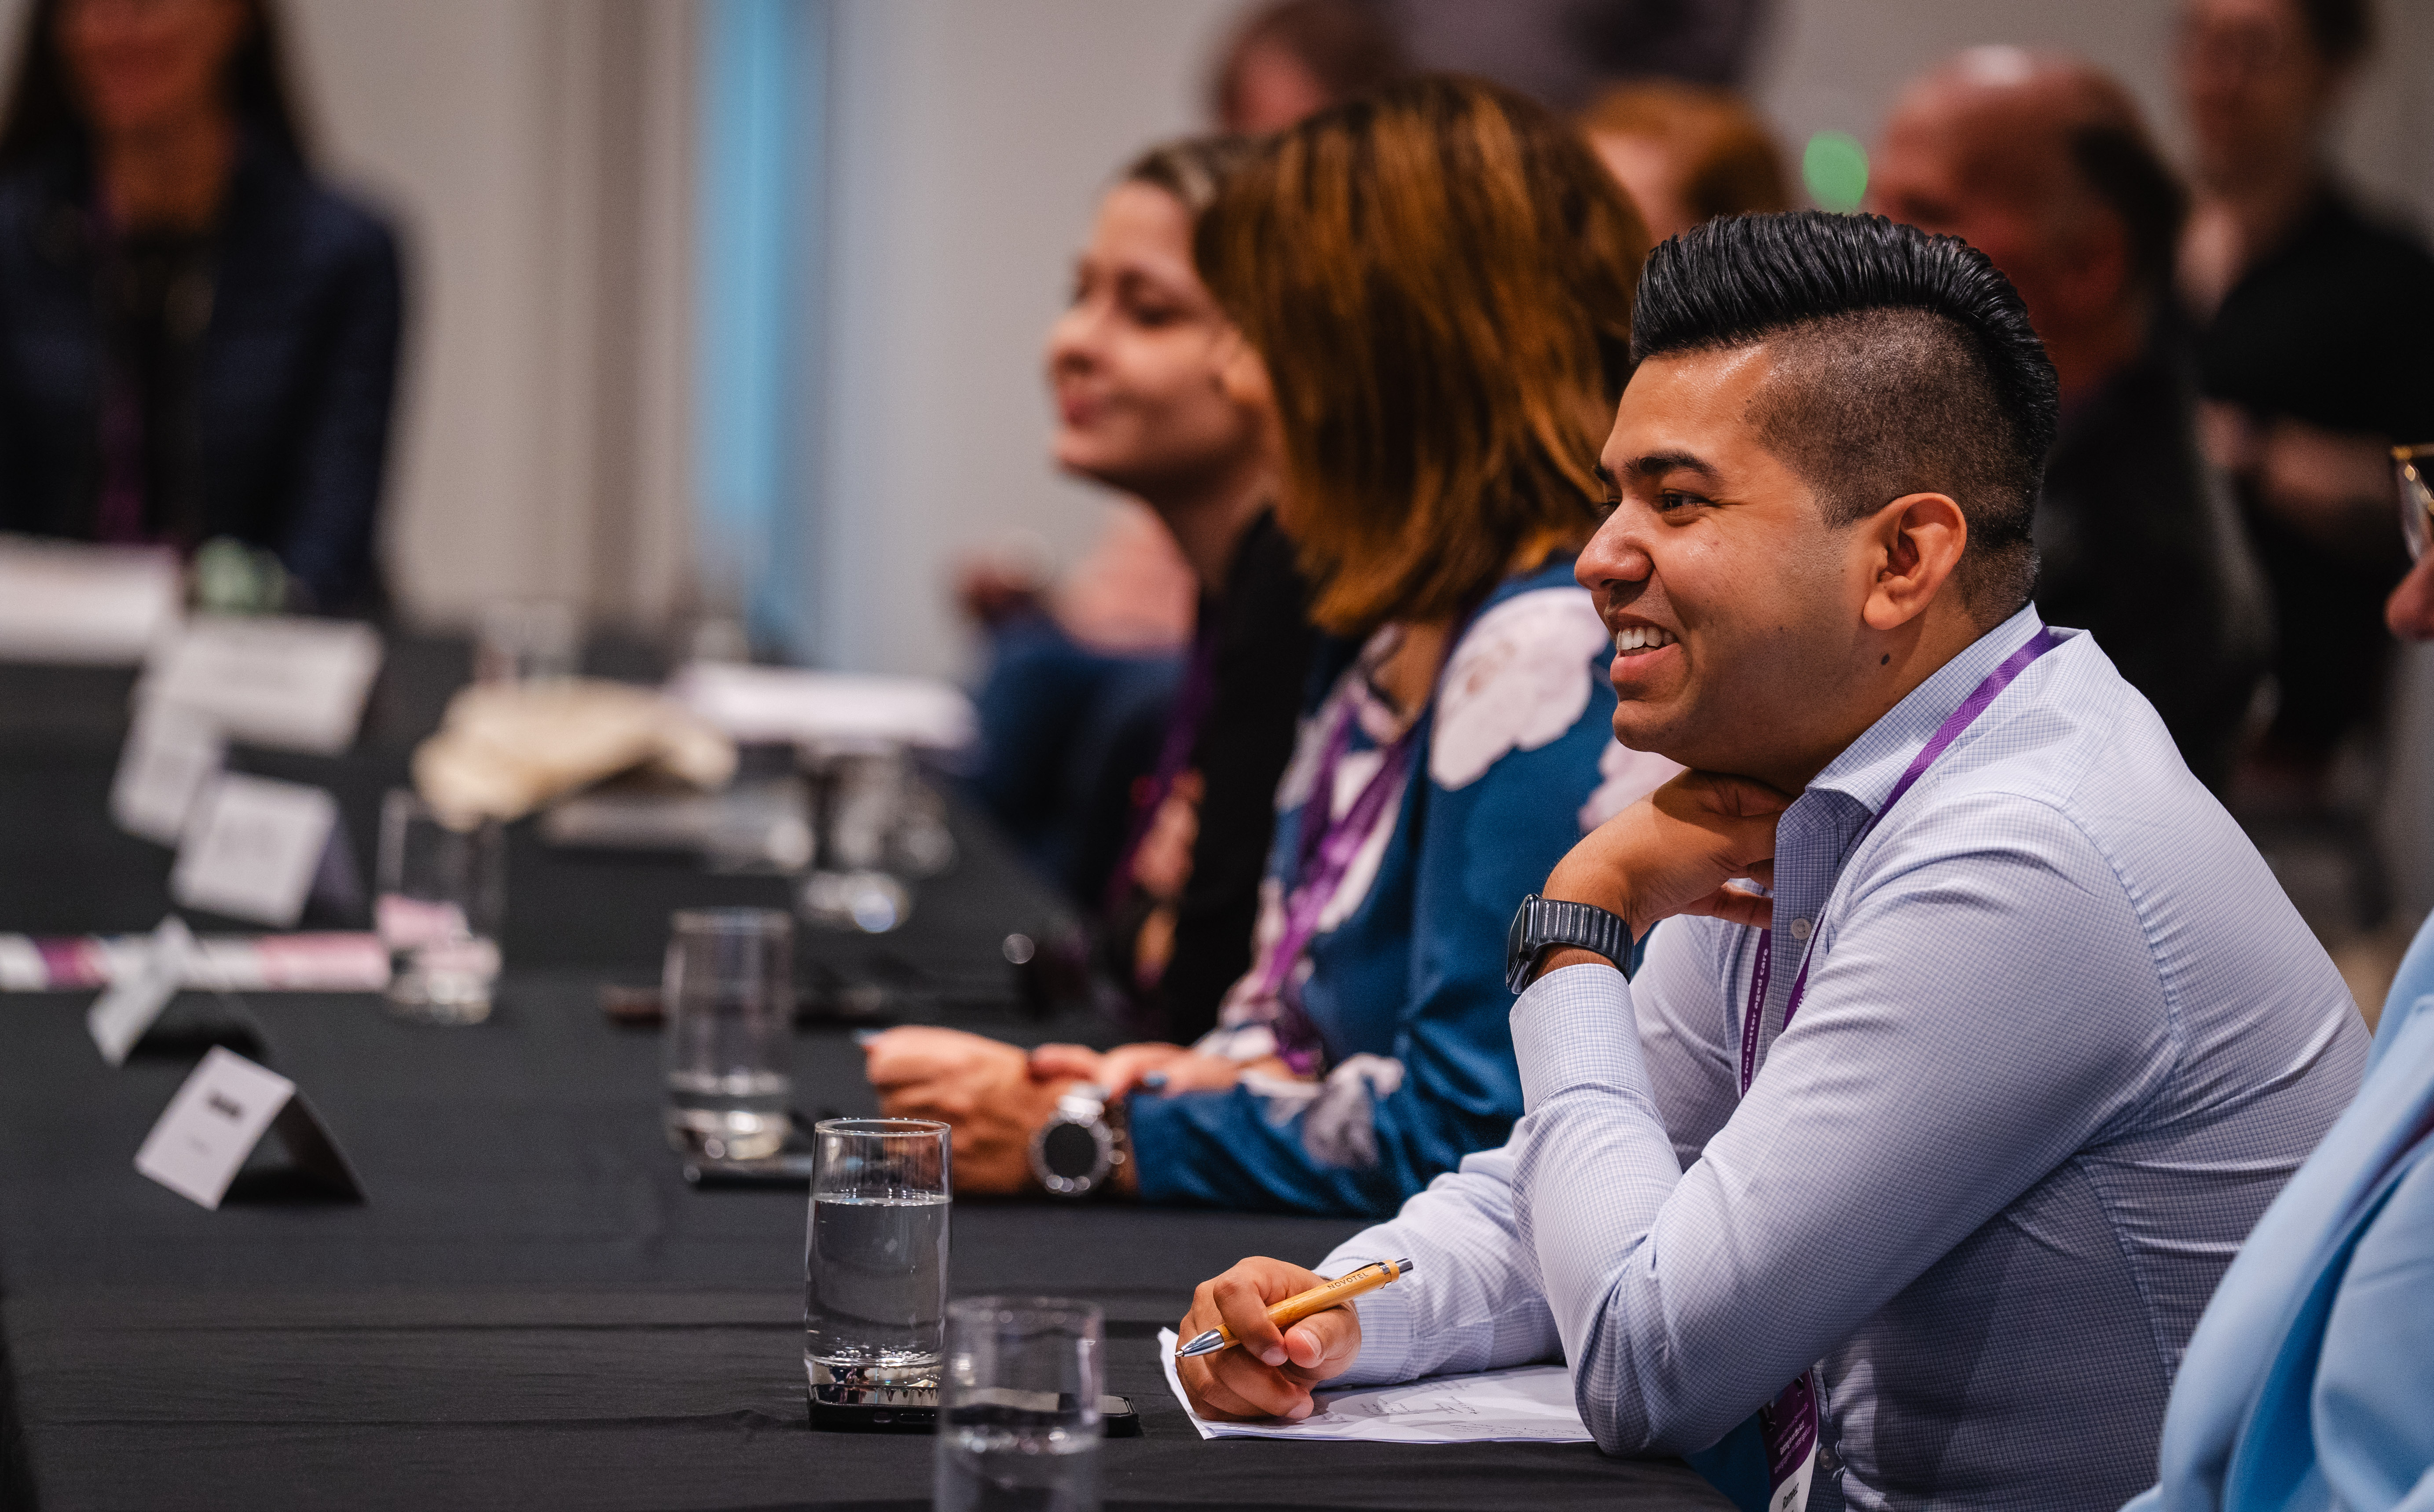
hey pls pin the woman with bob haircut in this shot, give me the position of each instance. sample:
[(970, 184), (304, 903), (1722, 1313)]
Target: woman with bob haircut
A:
[(1439, 278)]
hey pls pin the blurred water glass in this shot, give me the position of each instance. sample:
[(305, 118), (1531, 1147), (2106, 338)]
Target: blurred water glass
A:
[(527, 641), (441, 891), (728, 992), (1018, 1424), (877, 829), (875, 1260)]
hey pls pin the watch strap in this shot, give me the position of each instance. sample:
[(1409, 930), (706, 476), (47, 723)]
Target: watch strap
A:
[(1548, 923)]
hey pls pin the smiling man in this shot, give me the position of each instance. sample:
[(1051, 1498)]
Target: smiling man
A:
[(1937, 1170)]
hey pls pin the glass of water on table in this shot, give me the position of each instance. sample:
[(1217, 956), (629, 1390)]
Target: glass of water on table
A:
[(1018, 1422), (728, 993), (875, 1262), (443, 888)]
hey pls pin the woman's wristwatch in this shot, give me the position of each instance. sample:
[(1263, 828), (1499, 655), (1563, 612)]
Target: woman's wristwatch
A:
[(1077, 1151), (1541, 924)]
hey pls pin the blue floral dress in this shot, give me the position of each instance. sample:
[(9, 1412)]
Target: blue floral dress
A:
[(1398, 1004)]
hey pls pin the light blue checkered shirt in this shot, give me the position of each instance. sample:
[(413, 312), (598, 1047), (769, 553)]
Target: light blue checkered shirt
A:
[(2064, 1039)]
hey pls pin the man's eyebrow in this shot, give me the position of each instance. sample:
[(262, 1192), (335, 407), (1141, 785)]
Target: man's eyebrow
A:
[(1656, 464), (1598, 470)]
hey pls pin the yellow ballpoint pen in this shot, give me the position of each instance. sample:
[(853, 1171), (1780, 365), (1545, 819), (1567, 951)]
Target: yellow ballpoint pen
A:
[(1294, 1309)]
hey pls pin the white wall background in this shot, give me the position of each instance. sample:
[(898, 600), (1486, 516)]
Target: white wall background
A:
[(971, 139), (534, 153)]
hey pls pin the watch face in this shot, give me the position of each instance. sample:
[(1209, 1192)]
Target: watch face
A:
[(1518, 932), (1070, 1150)]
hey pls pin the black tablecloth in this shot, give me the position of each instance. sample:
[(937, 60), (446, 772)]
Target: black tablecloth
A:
[(533, 1310)]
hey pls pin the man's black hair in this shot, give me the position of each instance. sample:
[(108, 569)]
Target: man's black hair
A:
[(1904, 363)]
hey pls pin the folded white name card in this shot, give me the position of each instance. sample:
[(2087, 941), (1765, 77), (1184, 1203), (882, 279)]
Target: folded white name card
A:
[(140, 990), (171, 757), (251, 848), (217, 1119), (100, 605), (295, 683), (212, 1126)]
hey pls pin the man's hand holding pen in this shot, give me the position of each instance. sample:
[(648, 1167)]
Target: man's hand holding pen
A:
[(1271, 1370)]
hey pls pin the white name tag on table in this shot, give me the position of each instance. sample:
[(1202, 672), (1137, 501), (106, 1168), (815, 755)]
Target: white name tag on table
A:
[(213, 1123), (295, 683), (1529, 1404), (171, 757), (252, 848), (220, 1114), (101, 606), (138, 992)]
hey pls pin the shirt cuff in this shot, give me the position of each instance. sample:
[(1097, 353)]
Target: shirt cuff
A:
[(1386, 1324), (1575, 1027)]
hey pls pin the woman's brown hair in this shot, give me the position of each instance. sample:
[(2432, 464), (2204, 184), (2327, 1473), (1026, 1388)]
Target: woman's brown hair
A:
[(1439, 276)]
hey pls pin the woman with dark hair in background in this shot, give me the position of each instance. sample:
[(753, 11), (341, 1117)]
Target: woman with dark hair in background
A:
[(198, 340), (1447, 333), (1157, 396)]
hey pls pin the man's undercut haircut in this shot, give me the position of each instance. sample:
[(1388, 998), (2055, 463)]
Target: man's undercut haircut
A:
[(1904, 363)]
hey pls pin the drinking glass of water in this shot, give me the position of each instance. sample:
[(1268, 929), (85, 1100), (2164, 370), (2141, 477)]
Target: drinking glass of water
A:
[(875, 1261), (1019, 1408), (441, 891), (728, 993)]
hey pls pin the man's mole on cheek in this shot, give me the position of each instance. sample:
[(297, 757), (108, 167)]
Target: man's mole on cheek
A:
[(1883, 660)]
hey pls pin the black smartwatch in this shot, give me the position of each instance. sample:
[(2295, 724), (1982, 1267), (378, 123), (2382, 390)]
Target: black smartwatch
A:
[(1075, 1152), (1540, 924)]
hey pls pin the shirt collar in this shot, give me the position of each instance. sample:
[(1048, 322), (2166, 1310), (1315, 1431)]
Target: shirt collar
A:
[(1870, 765)]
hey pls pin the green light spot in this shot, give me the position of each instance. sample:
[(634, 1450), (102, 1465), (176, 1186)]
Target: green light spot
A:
[(1835, 168)]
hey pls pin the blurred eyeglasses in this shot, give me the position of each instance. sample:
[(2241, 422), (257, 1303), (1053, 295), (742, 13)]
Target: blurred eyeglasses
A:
[(2410, 465)]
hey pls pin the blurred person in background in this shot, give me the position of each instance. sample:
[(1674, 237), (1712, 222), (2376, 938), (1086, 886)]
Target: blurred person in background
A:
[(1083, 677), (1564, 53), (2041, 162), (2306, 1381), (1687, 153), (2316, 322), (1288, 60), (198, 339), (1158, 395), (1445, 342)]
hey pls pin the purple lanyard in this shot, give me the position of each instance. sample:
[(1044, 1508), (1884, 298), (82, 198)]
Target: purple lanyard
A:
[(1326, 849), (1962, 717), (1788, 1425), (1191, 705)]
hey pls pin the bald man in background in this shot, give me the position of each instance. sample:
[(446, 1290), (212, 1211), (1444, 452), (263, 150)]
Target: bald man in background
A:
[(2043, 163)]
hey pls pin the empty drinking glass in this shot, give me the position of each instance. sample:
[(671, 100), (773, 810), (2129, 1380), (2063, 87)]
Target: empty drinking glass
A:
[(875, 1261), (879, 829), (441, 890), (1018, 1406), (728, 993), (527, 641)]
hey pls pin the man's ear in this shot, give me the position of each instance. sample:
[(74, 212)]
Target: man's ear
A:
[(1916, 544)]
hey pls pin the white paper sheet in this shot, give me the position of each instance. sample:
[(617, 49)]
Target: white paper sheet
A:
[(782, 704), (1529, 1404)]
